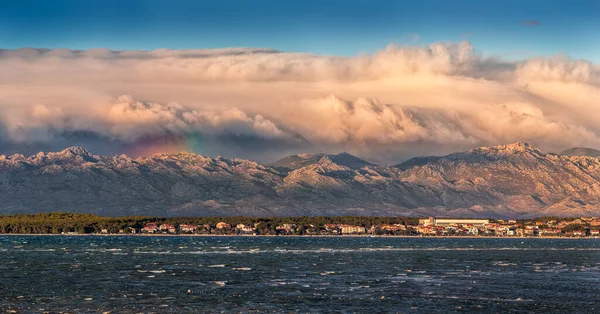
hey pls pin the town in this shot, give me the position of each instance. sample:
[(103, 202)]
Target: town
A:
[(580, 227), (76, 224)]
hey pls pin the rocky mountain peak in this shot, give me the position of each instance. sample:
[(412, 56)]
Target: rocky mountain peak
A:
[(348, 160), (75, 150), (520, 146), (77, 153), (344, 159), (16, 157), (175, 155), (518, 150), (514, 148)]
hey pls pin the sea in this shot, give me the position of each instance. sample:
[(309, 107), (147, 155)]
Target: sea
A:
[(245, 274)]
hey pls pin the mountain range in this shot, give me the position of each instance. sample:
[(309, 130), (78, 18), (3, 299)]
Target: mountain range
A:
[(515, 180)]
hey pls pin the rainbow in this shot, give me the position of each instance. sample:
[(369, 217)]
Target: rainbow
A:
[(151, 145)]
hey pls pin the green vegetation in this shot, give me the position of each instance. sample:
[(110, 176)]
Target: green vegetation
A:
[(57, 223), (574, 227)]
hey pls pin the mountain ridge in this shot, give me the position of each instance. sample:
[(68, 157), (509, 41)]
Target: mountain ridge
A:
[(294, 162), (515, 180)]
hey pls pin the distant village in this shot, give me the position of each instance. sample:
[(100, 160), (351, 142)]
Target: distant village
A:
[(580, 227)]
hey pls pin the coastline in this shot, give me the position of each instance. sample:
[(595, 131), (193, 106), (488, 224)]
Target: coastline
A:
[(290, 236)]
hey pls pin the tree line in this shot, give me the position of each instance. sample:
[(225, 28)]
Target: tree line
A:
[(61, 222)]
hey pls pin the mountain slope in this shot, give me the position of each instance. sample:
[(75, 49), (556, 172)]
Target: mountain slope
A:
[(510, 178), (294, 162), (503, 181)]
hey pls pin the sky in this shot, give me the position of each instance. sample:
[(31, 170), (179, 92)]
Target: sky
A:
[(509, 28), (385, 80)]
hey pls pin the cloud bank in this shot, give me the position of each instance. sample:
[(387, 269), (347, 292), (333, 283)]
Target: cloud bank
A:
[(262, 104)]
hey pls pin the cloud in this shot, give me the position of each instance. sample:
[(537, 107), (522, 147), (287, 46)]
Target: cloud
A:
[(369, 127), (559, 68), (129, 118), (200, 66), (260, 103)]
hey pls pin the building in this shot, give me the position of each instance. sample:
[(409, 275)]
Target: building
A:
[(427, 230), (531, 230), (245, 229), (150, 228), (331, 228), (579, 233), (223, 225), (519, 232), (427, 221), (431, 221), (551, 232), (168, 228), (350, 229), (188, 228), (286, 228), (502, 230), (394, 227)]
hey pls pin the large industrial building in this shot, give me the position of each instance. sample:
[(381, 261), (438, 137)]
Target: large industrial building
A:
[(431, 221)]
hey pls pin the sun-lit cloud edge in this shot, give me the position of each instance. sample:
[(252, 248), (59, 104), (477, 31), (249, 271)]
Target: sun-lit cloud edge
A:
[(399, 102)]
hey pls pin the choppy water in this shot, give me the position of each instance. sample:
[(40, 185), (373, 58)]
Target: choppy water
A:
[(297, 274)]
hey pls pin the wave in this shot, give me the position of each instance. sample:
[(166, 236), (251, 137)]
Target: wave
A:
[(361, 250), (462, 297)]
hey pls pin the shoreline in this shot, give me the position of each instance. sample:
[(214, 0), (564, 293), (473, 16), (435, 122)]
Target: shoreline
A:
[(289, 236)]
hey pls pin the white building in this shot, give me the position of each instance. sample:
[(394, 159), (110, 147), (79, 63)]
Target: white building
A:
[(431, 221), (350, 229)]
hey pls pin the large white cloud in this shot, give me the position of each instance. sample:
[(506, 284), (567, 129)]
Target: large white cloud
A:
[(396, 103), (128, 119)]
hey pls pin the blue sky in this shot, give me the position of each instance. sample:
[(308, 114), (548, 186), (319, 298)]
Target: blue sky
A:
[(346, 27)]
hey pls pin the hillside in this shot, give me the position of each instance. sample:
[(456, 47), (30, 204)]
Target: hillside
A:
[(502, 181)]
